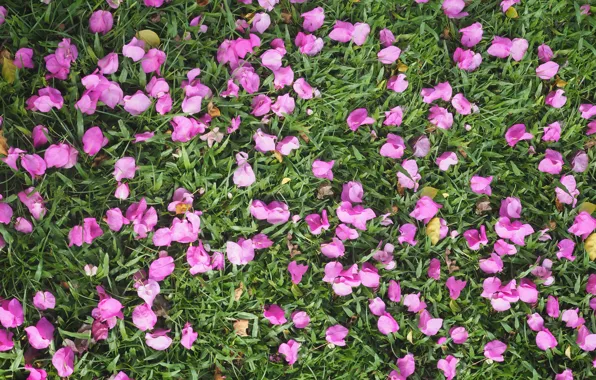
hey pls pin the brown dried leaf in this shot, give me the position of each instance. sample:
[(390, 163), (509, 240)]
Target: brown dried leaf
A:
[(324, 191), (558, 205), (98, 159), (217, 375), (241, 327), (286, 16), (213, 110), (394, 209), (238, 292), (590, 143), (400, 190), (431, 128), (463, 153), (450, 264), (3, 144), (304, 137), (482, 207), (202, 3), (446, 33)]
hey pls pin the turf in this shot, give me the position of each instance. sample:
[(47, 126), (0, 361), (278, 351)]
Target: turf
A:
[(348, 77)]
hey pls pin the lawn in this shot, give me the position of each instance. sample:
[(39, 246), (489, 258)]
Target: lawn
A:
[(432, 189)]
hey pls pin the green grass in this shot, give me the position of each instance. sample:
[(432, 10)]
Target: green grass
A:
[(348, 77)]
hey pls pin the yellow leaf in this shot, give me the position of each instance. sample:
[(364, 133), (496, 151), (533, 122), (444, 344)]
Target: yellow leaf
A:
[(402, 68), (9, 70), (285, 180), (568, 352), (429, 192), (511, 13), (409, 336), (278, 156), (213, 110), (560, 82), (182, 208), (150, 37), (590, 246), (433, 230), (587, 207), (240, 327), (3, 144)]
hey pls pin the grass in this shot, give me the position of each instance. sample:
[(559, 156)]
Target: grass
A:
[(349, 77)]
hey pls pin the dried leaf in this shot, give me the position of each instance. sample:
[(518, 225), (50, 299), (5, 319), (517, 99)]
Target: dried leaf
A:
[(217, 375), (3, 144), (213, 110), (558, 205), (202, 3), (324, 191), (590, 143), (511, 13), (238, 292), (445, 33), (590, 246), (286, 16), (248, 17), (182, 208), (429, 192), (150, 37), (560, 82), (9, 70), (402, 68), (463, 153), (400, 189), (433, 230), (431, 128), (304, 137), (586, 206), (450, 264), (482, 207), (240, 327), (278, 156), (98, 159)]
